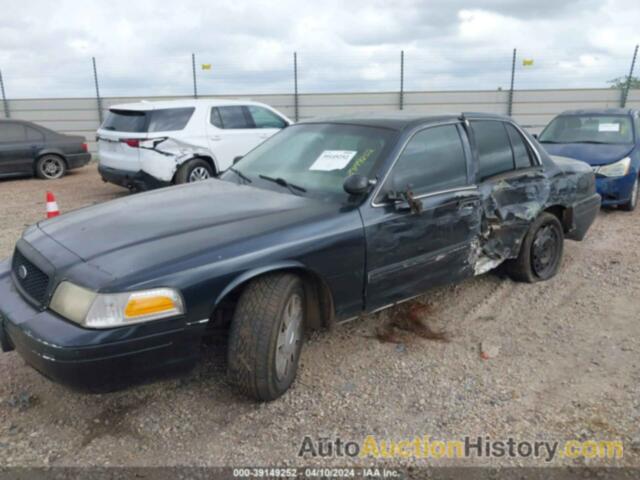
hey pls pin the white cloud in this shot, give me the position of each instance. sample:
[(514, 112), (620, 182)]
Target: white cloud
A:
[(144, 47)]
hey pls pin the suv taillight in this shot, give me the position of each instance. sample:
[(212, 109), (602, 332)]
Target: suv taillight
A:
[(85, 147), (132, 142)]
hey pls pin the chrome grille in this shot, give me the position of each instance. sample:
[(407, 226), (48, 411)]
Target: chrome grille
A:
[(31, 279)]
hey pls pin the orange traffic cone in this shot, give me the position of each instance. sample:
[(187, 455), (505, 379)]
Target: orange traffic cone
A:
[(52, 206)]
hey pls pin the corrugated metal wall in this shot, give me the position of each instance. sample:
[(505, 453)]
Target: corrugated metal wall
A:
[(531, 108)]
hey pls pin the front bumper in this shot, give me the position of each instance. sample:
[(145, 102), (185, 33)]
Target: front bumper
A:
[(94, 360), (617, 190), (77, 160), (139, 180)]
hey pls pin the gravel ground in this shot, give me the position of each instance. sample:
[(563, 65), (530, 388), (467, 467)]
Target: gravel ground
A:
[(564, 365)]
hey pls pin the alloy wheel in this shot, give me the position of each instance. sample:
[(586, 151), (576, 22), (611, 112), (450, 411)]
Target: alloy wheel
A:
[(198, 174), (289, 336)]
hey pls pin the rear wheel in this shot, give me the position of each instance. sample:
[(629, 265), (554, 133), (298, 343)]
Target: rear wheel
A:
[(630, 206), (266, 336), (541, 251), (194, 170), (50, 167)]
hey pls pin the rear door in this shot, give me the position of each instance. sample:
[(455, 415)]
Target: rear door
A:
[(17, 152), (231, 133), (512, 183), (407, 251)]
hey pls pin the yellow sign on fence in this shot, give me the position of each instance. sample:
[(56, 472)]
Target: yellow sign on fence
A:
[(206, 66), (527, 62)]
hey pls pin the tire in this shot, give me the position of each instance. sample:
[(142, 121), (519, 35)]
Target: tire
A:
[(193, 171), (259, 337), (538, 259), (630, 206), (50, 167)]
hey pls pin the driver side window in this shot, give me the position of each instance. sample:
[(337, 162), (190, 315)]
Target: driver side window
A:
[(432, 161)]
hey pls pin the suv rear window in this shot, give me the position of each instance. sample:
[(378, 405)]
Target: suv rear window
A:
[(140, 121)]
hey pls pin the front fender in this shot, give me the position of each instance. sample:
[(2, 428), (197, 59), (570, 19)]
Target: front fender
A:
[(256, 272)]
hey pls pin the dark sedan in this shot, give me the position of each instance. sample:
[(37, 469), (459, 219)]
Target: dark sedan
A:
[(29, 149), (321, 223)]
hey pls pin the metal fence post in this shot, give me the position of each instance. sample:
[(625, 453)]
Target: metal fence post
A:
[(625, 90), (193, 68), (401, 79), (296, 103), (4, 97), (513, 75), (95, 80)]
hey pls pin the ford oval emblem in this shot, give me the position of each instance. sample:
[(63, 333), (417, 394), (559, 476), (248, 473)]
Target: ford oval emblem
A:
[(23, 272)]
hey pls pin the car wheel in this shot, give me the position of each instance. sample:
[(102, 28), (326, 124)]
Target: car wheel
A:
[(194, 170), (266, 336), (630, 206), (50, 167), (541, 251)]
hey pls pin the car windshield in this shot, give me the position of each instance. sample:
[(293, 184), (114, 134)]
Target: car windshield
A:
[(588, 129), (313, 159)]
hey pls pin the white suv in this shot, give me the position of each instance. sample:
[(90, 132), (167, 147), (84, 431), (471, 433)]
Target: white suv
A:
[(150, 144)]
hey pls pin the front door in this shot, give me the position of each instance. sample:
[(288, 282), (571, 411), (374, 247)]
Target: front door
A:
[(16, 151), (413, 248)]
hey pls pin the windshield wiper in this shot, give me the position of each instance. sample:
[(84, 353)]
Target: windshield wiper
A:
[(282, 182), (241, 175)]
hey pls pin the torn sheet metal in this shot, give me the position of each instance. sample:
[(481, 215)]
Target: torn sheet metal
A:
[(161, 157)]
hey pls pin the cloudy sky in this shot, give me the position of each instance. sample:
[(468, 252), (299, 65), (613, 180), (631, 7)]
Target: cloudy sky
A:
[(144, 47)]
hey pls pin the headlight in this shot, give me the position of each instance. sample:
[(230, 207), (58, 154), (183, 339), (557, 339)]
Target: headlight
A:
[(617, 169), (98, 310)]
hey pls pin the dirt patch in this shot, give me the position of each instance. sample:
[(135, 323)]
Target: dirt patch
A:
[(567, 366)]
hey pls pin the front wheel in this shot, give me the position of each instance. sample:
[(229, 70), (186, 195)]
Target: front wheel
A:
[(541, 251), (630, 206), (194, 170), (266, 336)]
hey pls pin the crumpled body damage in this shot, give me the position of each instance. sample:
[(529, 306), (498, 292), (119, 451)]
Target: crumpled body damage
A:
[(161, 157), (510, 205)]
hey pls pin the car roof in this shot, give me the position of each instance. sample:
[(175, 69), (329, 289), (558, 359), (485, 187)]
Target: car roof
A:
[(193, 102), (599, 111), (401, 120)]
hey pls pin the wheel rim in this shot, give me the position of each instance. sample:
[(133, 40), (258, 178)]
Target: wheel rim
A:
[(52, 167), (198, 174), (545, 250), (289, 336), (634, 193)]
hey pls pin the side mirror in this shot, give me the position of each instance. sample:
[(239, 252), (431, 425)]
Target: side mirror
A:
[(237, 159), (535, 135), (356, 185)]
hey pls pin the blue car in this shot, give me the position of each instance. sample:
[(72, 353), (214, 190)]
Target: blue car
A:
[(606, 139)]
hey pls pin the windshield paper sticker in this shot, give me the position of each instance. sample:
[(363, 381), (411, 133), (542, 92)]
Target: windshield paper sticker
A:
[(333, 160), (608, 127)]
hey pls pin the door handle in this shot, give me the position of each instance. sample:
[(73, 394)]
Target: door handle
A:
[(216, 138)]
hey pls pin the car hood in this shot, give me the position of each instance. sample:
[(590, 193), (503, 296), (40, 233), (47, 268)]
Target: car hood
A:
[(146, 229), (591, 153)]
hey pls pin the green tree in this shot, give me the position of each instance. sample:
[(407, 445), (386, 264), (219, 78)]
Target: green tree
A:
[(621, 82)]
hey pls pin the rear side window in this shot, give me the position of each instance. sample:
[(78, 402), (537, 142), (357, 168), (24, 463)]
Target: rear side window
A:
[(234, 117), (169, 119), (433, 160), (12, 132), (494, 149), (33, 134), (141, 121), (263, 118), (522, 155)]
